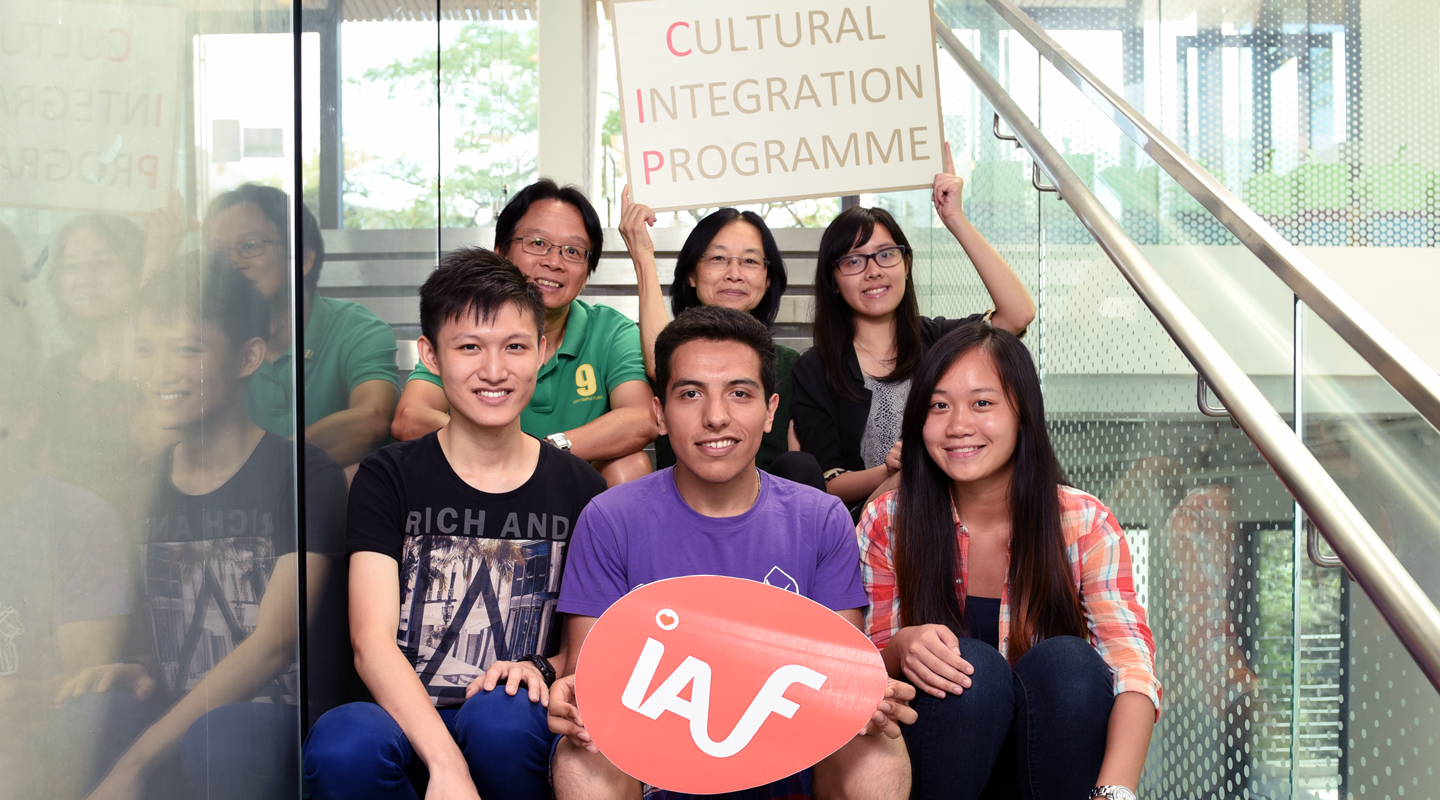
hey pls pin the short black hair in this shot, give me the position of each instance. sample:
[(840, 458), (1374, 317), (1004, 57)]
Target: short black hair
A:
[(546, 189), (479, 282), (714, 324), (202, 288), (275, 205), (683, 295)]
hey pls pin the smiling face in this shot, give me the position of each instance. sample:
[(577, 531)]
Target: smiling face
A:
[(245, 223), (188, 370), (488, 367), (715, 409), (730, 283), (92, 280), (876, 291), (971, 428), (557, 222)]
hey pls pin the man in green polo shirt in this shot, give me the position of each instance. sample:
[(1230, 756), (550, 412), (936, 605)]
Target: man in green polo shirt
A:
[(350, 377), (592, 397)]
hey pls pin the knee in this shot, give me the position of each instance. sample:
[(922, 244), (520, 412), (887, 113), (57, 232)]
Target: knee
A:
[(990, 680), (349, 738), (800, 467), (867, 768), (1067, 672), (501, 726), (581, 775), (989, 697), (624, 469)]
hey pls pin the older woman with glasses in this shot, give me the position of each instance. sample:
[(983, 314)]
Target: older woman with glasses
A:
[(851, 387), (730, 259), (592, 398)]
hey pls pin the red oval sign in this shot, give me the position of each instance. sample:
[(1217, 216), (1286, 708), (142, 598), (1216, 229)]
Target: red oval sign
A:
[(707, 684)]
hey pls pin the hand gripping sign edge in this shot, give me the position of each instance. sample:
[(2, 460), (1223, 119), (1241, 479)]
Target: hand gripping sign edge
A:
[(776, 682)]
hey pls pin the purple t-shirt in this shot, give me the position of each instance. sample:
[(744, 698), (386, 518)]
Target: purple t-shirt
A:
[(794, 537)]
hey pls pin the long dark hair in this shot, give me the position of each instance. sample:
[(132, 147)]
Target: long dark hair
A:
[(682, 294), (1043, 597), (834, 327)]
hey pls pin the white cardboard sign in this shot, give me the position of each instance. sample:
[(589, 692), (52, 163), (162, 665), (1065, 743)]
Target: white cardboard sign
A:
[(88, 105), (754, 100)]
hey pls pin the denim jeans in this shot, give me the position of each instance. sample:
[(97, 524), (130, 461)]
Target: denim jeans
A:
[(358, 752), (1036, 731), (242, 751)]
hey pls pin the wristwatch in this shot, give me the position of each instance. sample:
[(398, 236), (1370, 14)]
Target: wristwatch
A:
[(560, 440), (547, 671), (1112, 793)]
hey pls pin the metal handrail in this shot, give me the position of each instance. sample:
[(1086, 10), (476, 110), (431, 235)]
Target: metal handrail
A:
[(1395, 593), (1396, 363)]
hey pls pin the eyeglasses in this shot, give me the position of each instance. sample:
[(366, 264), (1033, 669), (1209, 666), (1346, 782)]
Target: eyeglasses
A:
[(855, 263), (536, 246), (719, 262), (250, 248)]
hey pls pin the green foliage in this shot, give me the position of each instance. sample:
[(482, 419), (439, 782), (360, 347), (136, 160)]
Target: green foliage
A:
[(489, 78)]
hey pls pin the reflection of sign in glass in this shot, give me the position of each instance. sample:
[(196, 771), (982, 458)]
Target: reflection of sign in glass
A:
[(91, 103), (708, 684), (736, 102)]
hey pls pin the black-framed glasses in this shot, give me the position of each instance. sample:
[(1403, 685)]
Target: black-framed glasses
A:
[(855, 263), (718, 262), (250, 248), (538, 246)]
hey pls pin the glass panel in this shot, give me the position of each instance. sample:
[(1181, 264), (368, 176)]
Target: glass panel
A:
[(996, 193), (1387, 461), (148, 536)]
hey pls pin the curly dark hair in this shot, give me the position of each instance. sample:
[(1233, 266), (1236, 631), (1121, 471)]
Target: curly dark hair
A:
[(714, 324)]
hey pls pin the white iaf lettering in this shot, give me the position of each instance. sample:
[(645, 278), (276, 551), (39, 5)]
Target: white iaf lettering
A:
[(769, 700)]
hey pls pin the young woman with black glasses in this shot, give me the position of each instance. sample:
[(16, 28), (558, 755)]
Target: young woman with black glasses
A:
[(850, 388)]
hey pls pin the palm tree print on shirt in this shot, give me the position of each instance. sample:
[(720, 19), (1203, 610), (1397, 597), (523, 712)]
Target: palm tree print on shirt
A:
[(443, 579)]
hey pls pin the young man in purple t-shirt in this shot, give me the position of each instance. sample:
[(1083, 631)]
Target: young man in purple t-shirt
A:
[(714, 513)]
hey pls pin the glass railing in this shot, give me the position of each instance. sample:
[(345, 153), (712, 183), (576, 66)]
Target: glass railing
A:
[(1282, 677)]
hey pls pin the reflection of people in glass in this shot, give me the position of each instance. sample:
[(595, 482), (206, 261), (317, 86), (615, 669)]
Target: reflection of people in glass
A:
[(93, 414), (64, 590), (219, 561), (1202, 572), (350, 374), (592, 398)]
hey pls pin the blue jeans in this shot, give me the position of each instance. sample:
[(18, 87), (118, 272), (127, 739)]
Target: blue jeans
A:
[(358, 752), (242, 751), (1036, 731)]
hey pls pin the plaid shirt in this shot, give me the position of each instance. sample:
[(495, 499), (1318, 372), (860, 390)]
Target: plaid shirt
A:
[(1099, 561)]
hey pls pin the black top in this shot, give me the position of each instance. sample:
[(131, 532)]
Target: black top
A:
[(830, 426), (479, 572), (208, 561), (982, 617)]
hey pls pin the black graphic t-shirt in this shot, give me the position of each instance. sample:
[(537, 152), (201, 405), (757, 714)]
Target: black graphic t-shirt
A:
[(208, 559), (479, 572)]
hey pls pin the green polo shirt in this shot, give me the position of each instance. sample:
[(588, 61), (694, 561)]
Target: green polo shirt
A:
[(345, 345), (601, 350)]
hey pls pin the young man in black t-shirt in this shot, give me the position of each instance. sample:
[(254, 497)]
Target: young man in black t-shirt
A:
[(218, 555), (457, 543)]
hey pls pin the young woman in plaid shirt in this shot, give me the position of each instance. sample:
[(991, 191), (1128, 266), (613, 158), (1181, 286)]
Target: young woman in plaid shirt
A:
[(1003, 595)]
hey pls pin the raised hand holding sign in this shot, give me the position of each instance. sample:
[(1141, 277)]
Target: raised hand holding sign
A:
[(709, 684)]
